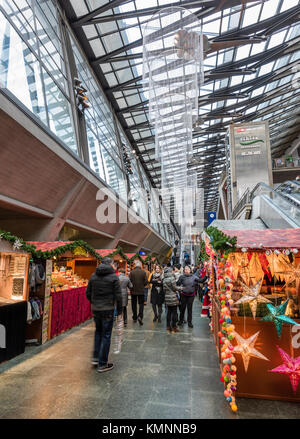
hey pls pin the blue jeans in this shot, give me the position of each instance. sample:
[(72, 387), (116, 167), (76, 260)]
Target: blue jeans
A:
[(145, 294), (104, 323)]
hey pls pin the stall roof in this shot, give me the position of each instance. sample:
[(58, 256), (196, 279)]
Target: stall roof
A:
[(48, 246), (104, 252), (269, 238)]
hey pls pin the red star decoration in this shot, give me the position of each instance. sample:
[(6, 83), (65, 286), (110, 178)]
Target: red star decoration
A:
[(290, 367)]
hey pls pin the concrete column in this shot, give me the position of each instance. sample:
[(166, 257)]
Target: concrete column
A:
[(51, 231)]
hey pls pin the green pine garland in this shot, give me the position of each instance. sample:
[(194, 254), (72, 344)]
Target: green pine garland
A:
[(13, 239), (49, 254), (202, 255), (220, 241)]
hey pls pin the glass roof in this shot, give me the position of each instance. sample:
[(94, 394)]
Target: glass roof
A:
[(250, 73)]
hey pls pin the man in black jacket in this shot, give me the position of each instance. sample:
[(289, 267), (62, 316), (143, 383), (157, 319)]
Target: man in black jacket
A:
[(139, 281), (189, 283), (104, 291)]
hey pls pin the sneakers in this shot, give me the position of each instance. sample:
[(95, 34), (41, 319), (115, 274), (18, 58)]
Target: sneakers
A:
[(140, 321), (106, 368), (191, 325), (95, 362)]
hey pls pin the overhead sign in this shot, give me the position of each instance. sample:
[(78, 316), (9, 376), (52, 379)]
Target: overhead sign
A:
[(250, 157), (211, 217)]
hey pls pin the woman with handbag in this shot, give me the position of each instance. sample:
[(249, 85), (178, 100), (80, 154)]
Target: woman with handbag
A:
[(157, 296), (171, 299)]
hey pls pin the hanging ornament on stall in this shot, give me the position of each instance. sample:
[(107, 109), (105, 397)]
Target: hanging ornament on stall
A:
[(278, 317), (294, 274), (17, 244), (245, 347), (255, 268), (252, 296), (80, 251), (290, 367)]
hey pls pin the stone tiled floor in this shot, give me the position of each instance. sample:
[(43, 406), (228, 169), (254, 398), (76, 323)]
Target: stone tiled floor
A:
[(157, 375)]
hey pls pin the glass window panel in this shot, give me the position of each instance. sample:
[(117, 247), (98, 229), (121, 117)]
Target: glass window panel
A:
[(112, 42), (20, 70), (94, 4), (23, 21), (59, 111), (111, 79), (95, 153), (50, 45), (79, 7), (97, 47), (90, 31), (288, 4), (251, 15)]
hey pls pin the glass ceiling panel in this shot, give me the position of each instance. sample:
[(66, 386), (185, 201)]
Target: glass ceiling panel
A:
[(226, 93)]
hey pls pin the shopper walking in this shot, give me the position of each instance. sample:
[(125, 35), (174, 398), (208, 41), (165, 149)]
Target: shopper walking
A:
[(171, 299), (176, 271), (147, 286), (139, 281), (104, 291), (125, 285), (157, 296), (189, 283)]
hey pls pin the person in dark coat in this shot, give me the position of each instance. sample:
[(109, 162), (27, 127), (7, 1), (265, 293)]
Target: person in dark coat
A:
[(171, 299), (125, 285), (139, 280), (157, 294), (189, 283), (104, 293)]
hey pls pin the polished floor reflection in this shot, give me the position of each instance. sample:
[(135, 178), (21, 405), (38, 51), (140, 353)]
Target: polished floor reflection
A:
[(157, 375)]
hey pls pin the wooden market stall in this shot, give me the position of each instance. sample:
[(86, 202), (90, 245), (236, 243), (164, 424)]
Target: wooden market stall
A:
[(116, 254), (126, 260), (68, 266), (14, 266), (255, 294)]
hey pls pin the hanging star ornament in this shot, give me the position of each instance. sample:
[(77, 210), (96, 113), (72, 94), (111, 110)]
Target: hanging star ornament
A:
[(290, 367), (294, 273), (277, 315), (251, 295), (245, 347)]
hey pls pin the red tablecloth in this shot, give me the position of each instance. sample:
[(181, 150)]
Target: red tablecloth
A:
[(69, 309)]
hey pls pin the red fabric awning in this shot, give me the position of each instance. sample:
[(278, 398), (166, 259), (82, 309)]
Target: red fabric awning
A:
[(129, 255), (48, 246), (105, 251), (267, 238)]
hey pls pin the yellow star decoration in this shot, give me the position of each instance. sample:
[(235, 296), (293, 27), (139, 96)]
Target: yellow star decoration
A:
[(245, 347), (251, 295)]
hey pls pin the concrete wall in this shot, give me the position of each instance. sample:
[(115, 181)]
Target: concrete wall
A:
[(46, 192)]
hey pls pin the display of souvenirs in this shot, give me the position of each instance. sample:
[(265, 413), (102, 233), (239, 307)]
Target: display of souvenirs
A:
[(64, 279), (12, 275)]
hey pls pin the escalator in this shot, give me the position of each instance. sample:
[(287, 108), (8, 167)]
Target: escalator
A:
[(278, 208)]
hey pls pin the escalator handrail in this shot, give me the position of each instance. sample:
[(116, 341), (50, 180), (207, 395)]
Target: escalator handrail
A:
[(269, 188)]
